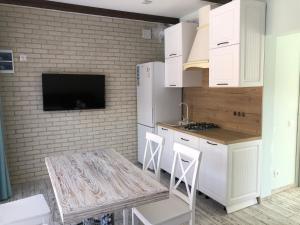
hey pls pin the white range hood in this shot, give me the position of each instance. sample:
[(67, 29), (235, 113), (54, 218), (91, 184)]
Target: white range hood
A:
[(198, 57)]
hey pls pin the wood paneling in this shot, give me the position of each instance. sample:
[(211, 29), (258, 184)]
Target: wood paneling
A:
[(44, 4), (218, 105)]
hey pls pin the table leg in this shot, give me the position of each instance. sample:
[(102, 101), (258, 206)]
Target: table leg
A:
[(125, 216)]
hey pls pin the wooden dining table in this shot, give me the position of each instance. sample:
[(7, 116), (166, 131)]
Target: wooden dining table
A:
[(88, 184)]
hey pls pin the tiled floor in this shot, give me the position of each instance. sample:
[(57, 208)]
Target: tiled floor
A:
[(280, 209)]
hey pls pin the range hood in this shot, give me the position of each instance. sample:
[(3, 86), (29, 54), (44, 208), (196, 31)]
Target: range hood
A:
[(198, 58)]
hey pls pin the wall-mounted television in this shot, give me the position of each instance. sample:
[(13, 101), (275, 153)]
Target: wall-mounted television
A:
[(73, 91)]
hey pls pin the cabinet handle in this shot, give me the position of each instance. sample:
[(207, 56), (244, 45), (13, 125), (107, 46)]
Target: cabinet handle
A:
[(223, 43), (185, 161), (222, 84), (211, 143), (184, 139), (164, 128), (172, 85), (173, 54)]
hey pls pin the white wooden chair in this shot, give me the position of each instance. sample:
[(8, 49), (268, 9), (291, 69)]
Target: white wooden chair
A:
[(151, 161), (179, 208), (152, 157)]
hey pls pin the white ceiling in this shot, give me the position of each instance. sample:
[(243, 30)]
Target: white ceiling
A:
[(170, 8)]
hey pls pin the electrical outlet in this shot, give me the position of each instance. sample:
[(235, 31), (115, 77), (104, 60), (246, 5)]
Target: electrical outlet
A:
[(239, 114)]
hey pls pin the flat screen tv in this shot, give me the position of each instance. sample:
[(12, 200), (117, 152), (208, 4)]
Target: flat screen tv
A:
[(73, 91)]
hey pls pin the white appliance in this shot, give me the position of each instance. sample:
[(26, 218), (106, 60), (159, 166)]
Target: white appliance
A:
[(155, 102)]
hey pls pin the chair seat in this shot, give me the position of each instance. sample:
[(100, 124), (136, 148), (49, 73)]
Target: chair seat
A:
[(28, 211), (170, 211)]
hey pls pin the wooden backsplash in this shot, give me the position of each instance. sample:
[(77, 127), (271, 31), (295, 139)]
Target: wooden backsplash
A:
[(218, 105)]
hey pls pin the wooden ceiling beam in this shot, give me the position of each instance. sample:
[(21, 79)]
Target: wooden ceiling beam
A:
[(219, 1), (44, 4)]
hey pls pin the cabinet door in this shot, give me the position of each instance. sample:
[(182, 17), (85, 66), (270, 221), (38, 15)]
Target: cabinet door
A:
[(173, 41), (167, 154), (224, 26), (244, 172), (224, 68), (213, 170), (173, 72), (190, 141)]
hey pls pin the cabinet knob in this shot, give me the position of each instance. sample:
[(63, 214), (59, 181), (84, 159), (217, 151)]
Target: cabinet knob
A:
[(185, 161), (173, 54), (210, 143), (164, 128), (172, 85), (184, 139), (222, 84), (223, 43)]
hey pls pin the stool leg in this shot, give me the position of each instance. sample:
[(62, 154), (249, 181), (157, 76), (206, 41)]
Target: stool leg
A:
[(125, 216), (134, 218)]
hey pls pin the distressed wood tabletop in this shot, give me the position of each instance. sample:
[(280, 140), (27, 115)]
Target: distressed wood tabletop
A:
[(91, 183)]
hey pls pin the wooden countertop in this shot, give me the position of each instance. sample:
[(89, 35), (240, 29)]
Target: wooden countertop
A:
[(88, 184), (218, 135)]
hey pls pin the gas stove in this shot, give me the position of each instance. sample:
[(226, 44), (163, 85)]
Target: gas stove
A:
[(200, 126)]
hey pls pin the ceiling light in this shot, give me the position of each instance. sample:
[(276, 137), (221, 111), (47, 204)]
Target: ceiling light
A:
[(146, 2)]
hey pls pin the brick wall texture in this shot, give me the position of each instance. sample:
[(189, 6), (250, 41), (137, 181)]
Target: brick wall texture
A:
[(69, 43)]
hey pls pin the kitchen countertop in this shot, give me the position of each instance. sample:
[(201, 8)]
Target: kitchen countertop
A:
[(218, 135)]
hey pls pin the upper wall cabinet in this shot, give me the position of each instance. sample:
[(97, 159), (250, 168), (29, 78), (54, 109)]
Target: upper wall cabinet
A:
[(225, 25), (178, 42), (173, 41), (237, 35)]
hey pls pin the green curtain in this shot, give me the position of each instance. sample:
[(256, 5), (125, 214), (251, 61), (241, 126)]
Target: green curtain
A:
[(5, 188)]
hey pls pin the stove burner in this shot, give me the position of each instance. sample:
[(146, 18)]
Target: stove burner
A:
[(200, 126)]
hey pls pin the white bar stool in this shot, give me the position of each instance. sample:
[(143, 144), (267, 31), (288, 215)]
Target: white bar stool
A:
[(28, 211)]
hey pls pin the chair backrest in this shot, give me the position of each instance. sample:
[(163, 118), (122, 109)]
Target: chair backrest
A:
[(193, 166), (154, 158)]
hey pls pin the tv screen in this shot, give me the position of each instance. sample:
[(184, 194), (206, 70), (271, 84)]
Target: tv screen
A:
[(73, 91)]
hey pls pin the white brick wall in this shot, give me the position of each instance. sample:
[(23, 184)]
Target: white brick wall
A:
[(69, 42)]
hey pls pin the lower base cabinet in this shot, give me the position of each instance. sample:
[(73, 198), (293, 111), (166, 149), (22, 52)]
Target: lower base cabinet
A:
[(229, 174)]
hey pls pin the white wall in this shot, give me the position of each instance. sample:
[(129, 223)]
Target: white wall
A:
[(281, 91), (70, 43)]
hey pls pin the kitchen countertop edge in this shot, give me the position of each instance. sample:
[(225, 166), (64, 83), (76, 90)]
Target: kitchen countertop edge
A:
[(214, 139)]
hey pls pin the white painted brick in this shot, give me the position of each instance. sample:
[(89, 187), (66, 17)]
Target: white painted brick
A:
[(69, 42)]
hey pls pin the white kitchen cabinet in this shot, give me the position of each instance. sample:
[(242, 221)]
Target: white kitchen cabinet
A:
[(179, 39), (178, 42), (167, 154), (237, 29), (225, 25), (213, 170), (244, 175), (173, 67), (228, 174), (224, 64), (174, 41), (176, 77), (186, 139), (190, 141)]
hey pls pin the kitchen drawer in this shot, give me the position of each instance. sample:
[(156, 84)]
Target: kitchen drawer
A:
[(211, 144), (186, 139)]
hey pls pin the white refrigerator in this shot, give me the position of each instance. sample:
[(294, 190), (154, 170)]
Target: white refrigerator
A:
[(155, 102)]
